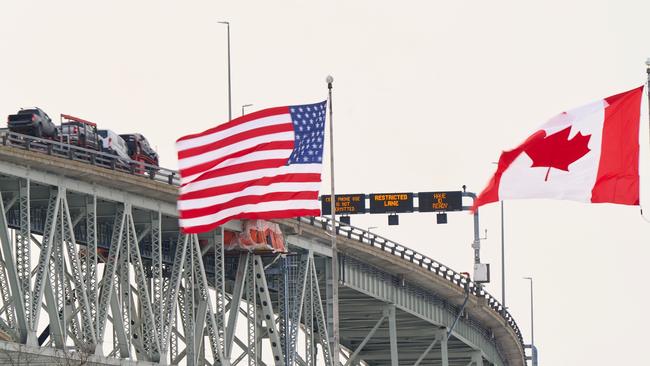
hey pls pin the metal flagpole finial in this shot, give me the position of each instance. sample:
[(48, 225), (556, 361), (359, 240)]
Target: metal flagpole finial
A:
[(647, 62), (329, 80)]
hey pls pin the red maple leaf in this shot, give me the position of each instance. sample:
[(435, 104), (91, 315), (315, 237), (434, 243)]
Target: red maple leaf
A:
[(557, 151)]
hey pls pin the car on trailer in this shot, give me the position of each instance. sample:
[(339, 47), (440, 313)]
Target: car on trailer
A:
[(114, 144), (79, 132), (141, 151), (34, 122)]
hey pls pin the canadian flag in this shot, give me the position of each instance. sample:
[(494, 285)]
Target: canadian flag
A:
[(587, 154)]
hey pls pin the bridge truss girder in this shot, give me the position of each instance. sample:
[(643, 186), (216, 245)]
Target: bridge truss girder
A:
[(89, 288), (109, 267)]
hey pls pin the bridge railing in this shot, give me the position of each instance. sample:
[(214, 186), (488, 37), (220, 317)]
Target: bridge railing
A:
[(93, 157), (368, 238)]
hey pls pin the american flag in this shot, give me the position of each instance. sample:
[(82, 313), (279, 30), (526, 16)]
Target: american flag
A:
[(263, 165)]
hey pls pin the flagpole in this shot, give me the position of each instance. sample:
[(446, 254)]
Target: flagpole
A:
[(229, 85), (647, 89), (335, 259)]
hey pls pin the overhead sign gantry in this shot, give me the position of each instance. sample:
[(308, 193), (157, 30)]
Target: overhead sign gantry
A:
[(393, 204)]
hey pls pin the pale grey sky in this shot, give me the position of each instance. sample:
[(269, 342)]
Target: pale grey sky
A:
[(426, 93)]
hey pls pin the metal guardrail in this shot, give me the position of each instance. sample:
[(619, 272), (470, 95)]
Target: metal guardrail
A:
[(93, 157), (113, 162), (420, 260)]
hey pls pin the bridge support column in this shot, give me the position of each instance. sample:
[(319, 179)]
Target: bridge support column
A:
[(392, 329), (444, 352)]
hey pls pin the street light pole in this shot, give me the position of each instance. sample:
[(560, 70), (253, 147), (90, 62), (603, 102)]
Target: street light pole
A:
[(229, 85), (244, 106), (503, 259), (335, 259), (532, 325), (503, 263), (370, 228)]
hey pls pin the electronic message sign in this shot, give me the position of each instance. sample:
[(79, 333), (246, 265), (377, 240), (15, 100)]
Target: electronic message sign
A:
[(346, 204), (391, 202), (440, 201)]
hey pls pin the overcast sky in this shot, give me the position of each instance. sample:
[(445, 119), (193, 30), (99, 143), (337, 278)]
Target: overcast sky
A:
[(426, 95)]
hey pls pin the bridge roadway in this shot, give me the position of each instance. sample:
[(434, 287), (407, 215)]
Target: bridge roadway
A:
[(396, 305)]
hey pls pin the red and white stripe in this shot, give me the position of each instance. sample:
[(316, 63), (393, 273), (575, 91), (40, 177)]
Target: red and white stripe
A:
[(609, 172), (239, 170)]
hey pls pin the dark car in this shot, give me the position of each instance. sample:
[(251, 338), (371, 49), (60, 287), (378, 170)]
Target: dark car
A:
[(79, 132), (33, 122), (139, 149)]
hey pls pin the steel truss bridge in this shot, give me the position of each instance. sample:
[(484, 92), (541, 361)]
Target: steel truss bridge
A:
[(94, 271)]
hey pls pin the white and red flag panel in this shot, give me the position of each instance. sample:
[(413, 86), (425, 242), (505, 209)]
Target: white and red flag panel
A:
[(263, 165), (587, 154)]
